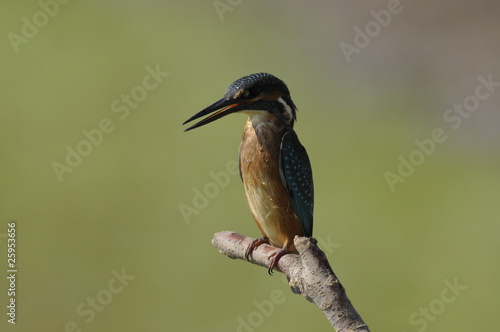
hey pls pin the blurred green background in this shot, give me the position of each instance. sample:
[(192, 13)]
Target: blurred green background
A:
[(118, 210)]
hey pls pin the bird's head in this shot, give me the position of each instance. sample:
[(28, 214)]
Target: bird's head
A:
[(252, 94)]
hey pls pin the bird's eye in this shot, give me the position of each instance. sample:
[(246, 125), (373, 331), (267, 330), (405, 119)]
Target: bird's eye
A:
[(251, 93), (255, 91)]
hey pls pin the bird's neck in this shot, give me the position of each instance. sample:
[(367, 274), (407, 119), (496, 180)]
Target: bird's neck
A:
[(266, 129), (264, 122)]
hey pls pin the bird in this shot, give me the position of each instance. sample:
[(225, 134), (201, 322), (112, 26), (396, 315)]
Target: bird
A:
[(273, 165)]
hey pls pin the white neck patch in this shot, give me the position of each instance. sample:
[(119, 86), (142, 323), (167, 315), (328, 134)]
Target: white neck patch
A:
[(288, 110)]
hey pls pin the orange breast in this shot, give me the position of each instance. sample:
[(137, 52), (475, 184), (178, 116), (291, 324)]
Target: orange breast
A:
[(267, 196)]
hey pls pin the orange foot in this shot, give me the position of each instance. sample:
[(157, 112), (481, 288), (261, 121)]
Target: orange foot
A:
[(255, 243), (276, 257)]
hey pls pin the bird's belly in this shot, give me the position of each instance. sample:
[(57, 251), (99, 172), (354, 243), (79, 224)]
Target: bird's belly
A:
[(269, 203), (267, 197)]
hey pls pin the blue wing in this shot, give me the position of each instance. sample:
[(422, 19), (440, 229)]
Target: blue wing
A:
[(296, 174)]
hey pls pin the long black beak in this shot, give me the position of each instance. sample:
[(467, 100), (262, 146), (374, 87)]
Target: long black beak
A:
[(224, 106)]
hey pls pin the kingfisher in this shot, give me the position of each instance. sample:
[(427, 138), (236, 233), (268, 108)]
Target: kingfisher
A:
[(274, 166)]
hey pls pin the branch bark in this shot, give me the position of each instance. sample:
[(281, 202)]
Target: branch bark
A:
[(309, 274)]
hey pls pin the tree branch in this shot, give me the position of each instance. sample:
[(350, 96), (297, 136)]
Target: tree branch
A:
[(309, 274)]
